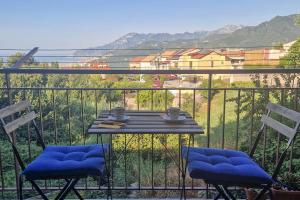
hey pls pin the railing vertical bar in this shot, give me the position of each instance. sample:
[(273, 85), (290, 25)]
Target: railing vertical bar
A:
[(111, 154), (82, 116), (96, 112), (208, 109), (179, 99), (69, 116), (138, 99), (223, 119), (139, 160), (41, 123), (166, 162), (252, 119), (152, 100), (54, 116), (166, 99), (179, 161), (278, 134), (238, 120), (152, 161), (124, 98), (193, 145), (125, 160), (194, 103), (265, 134), (2, 175), (41, 114), (28, 136), (264, 146)]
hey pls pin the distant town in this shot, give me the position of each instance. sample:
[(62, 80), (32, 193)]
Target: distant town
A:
[(196, 58)]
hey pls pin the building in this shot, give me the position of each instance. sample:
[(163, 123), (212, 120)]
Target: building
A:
[(98, 64), (206, 59), (149, 63), (262, 57), (135, 63), (144, 62), (175, 58), (237, 57)]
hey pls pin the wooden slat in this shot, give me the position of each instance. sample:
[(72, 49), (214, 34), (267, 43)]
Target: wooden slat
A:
[(144, 122), (145, 131), (11, 126), (161, 126), (281, 128), (288, 113), (9, 110)]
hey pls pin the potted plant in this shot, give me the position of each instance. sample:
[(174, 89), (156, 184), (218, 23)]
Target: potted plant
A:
[(289, 191)]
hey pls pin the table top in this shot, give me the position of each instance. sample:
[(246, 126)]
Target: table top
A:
[(143, 122)]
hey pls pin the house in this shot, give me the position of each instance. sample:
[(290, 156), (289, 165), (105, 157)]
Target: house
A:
[(175, 58), (149, 63), (237, 57), (205, 59), (262, 57), (135, 63), (163, 59), (98, 64)]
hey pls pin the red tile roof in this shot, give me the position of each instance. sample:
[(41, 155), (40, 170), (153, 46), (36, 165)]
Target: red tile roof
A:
[(137, 59)]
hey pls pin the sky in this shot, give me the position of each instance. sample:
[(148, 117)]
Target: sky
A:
[(88, 23)]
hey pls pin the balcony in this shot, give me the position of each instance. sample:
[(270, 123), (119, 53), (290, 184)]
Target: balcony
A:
[(227, 104)]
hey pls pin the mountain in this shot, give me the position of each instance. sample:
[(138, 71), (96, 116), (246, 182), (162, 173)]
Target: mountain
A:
[(279, 29), (131, 40)]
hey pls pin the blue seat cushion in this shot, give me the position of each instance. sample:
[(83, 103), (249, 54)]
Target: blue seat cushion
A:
[(68, 162), (224, 166)]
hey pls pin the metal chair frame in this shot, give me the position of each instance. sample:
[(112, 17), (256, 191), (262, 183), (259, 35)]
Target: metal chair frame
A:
[(267, 121), (29, 118)]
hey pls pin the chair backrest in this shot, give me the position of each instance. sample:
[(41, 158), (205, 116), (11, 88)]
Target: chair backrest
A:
[(290, 133), (18, 115)]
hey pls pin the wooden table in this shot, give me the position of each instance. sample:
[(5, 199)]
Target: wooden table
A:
[(143, 122), (151, 122)]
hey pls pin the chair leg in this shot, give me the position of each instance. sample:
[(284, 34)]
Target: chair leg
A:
[(75, 191), (262, 192), (221, 192), (229, 193), (67, 189), (36, 187), (217, 197), (20, 187), (63, 189)]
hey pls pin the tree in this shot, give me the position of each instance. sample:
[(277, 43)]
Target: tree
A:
[(1, 62), (12, 59), (292, 59)]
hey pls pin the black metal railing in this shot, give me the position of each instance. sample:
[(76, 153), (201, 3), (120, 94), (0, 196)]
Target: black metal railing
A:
[(139, 166)]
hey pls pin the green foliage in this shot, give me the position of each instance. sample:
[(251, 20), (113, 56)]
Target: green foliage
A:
[(253, 103), (292, 59), (1, 62), (160, 99), (218, 83)]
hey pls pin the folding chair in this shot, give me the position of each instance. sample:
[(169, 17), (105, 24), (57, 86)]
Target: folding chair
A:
[(225, 168), (70, 163)]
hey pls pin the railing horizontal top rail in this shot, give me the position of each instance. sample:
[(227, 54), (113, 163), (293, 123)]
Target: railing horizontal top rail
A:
[(141, 89), (126, 71)]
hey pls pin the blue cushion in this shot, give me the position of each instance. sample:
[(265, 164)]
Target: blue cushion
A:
[(67, 162), (225, 166)]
